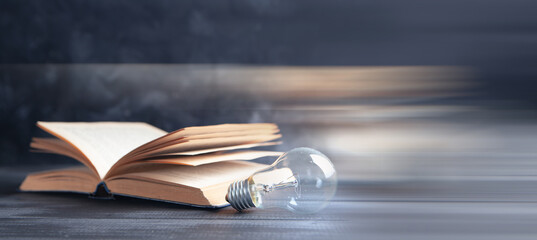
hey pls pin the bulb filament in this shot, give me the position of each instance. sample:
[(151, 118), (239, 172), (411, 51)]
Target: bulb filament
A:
[(289, 182), (281, 185)]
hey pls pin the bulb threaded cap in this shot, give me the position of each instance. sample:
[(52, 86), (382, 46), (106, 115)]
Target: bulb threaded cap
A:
[(238, 195)]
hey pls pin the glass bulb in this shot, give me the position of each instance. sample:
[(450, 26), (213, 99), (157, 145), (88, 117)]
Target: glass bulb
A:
[(302, 180)]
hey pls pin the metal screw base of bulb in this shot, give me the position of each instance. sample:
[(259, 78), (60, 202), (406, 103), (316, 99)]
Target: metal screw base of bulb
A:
[(238, 195)]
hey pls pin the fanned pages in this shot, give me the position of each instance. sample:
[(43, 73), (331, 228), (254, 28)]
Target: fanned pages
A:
[(190, 133), (193, 165), (103, 143)]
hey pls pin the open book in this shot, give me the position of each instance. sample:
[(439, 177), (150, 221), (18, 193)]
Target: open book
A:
[(193, 165)]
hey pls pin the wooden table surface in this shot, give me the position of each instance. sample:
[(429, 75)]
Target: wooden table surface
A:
[(484, 209)]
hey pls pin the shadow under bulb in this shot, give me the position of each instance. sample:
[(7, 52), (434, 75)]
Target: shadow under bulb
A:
[(302, 180)]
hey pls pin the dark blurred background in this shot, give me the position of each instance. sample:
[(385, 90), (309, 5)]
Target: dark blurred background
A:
[(388, 89)]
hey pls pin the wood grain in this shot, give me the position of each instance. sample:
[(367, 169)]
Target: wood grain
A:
[(361, 210)]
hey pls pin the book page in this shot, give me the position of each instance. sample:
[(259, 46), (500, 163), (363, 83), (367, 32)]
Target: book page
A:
[(196, 177), (203, 132), (220, 142), (73, 179), (57, 146), (201, 159), (103, 143), (209, 150), (151, 146)]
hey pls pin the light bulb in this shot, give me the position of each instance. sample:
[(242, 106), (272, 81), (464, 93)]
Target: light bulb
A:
[(302, 180)]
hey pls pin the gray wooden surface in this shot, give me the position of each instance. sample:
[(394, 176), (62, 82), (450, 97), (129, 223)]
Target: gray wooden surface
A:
[(469, 209)]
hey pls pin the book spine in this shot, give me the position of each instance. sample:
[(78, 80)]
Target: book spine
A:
[(101, 192)]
